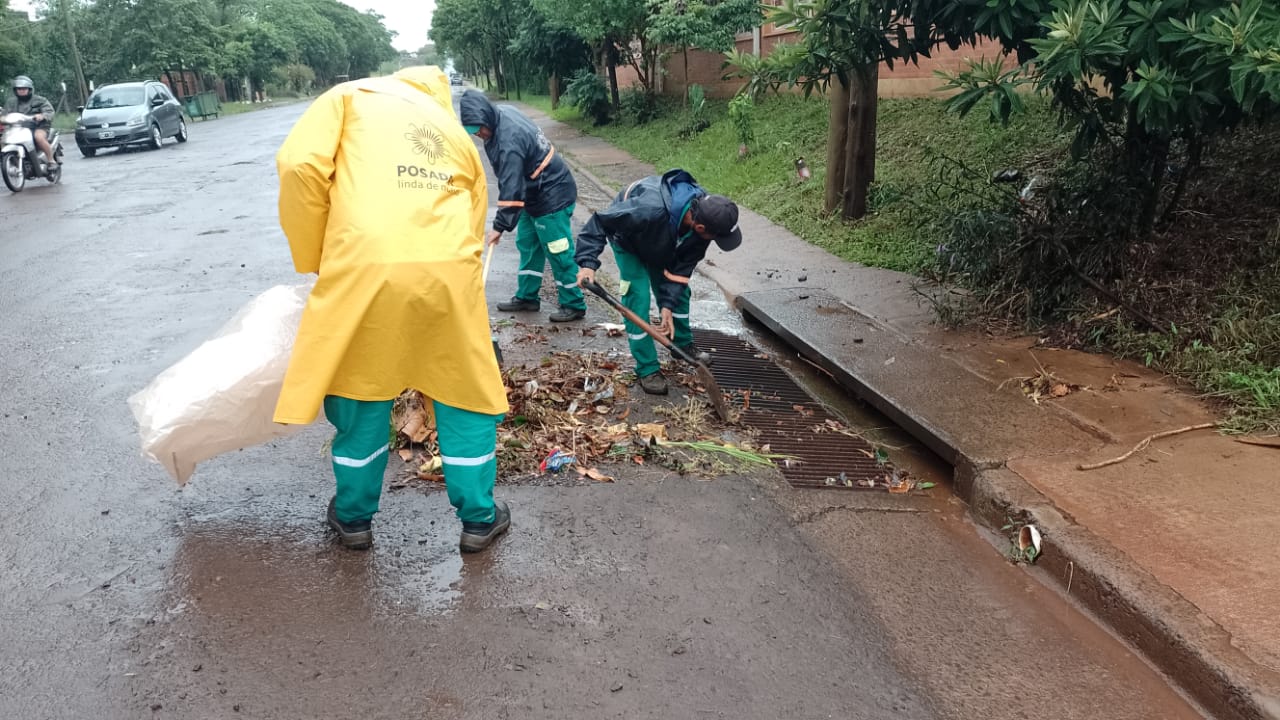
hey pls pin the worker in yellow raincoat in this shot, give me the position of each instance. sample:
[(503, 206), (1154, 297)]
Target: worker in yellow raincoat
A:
[(383, 194)]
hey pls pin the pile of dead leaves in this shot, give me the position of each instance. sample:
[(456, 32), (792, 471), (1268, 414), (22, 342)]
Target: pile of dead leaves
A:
[(1044, 385), (575, 404)]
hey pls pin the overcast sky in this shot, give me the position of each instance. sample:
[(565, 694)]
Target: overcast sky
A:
[(410, 19)]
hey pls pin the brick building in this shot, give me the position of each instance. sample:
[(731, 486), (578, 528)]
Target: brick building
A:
[(705, 68), (187, 83)]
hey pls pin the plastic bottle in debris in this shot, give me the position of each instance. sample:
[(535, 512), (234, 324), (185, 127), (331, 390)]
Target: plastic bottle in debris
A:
[(802, 170), (556, 460)]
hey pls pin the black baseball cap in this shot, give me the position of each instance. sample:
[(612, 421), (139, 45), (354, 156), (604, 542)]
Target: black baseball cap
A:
[(720, 216)]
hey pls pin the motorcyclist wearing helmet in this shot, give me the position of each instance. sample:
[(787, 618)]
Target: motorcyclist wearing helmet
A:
[(26, 101)]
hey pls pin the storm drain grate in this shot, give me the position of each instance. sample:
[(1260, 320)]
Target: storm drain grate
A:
[(785, 416)]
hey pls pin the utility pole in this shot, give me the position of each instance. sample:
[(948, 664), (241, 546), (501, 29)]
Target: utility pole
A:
[(75, 51)]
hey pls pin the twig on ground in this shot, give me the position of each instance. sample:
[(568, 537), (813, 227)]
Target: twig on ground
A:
[(1145, 442), (816, 366), (1271, 442)]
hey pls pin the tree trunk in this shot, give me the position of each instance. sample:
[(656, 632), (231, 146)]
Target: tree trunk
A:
[(837, 135), (871, 123), (497, 73), (554, 84), (685, 50), (1151, 198), (860, 145), (611, 53), (83, 86), (1195, 149)]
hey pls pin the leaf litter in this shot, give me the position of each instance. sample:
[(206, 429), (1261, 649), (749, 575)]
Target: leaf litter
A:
[(569, 413), (1044, 385)]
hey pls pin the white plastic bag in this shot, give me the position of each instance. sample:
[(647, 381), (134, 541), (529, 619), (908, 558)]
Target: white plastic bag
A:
[(222, 396)]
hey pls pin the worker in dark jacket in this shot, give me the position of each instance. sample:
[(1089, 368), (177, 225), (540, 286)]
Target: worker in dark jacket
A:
[(536, 197), (659, 228)]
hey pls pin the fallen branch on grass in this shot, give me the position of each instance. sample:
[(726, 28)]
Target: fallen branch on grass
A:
[(1145, 442)]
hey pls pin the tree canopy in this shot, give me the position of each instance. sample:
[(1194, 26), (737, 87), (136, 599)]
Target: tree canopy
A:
[(266, 42)]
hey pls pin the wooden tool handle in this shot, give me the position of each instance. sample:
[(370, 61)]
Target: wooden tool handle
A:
[(653, 332)]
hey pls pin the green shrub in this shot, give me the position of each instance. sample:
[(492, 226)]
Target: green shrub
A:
[(587, 92), (638, 106)]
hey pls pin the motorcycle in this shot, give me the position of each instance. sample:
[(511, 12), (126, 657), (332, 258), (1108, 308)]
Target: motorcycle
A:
[(20, 160)]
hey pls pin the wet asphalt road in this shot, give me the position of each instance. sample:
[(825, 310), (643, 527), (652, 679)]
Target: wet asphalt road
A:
[(654, 597)]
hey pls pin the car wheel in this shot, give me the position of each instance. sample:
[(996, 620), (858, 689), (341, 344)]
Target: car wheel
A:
[(157, 140), (182, 130), (88, 152)]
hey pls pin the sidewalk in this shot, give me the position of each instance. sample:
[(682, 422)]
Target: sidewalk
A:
[(1170, 548)]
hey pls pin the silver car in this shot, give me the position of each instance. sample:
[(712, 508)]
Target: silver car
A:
[(135, 113)]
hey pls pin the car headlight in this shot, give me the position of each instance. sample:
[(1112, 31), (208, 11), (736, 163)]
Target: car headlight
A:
[(137, 122)]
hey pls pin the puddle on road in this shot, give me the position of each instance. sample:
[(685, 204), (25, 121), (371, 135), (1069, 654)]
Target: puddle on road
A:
[(232, 567)]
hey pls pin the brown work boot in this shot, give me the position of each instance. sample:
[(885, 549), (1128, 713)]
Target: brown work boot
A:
[(654, 384)]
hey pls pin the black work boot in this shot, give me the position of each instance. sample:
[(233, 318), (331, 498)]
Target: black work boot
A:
[(565, 314), (654, 384), (519, 304), (478, 536), (354, 535), (701, 356)]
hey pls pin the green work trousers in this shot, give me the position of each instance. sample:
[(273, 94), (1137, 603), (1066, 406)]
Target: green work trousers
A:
[(468, 441), (637, 290), (543, 240)]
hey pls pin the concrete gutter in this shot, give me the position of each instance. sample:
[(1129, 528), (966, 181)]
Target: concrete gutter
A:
[(976, 428), (887, 370)]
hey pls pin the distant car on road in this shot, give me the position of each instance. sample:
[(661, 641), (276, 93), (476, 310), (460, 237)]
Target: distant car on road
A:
[(455, 79), (133, 113)]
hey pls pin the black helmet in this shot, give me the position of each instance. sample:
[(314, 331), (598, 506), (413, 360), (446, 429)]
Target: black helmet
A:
[(22, 81)]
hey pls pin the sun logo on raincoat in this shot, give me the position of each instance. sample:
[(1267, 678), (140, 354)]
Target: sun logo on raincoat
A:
[(426, 141)]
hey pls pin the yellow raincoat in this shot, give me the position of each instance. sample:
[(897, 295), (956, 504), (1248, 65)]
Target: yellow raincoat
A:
[(383, 194)]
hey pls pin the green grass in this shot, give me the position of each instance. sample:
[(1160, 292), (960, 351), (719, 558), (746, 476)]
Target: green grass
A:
[(897, 232), (239, 108), (566, 113), (1235, 359)]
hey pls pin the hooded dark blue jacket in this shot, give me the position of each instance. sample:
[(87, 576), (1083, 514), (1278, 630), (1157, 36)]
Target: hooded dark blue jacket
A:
[(531, 176), (644, 220)]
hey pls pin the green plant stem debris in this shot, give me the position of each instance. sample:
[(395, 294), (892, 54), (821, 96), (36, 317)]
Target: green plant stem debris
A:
[(745, 456)]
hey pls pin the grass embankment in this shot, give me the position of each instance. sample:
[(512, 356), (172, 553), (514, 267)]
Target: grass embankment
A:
[(789, 127)]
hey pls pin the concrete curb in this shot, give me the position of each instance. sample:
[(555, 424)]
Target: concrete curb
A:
[(1172, 633), (580, 170), (1169, 631)]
